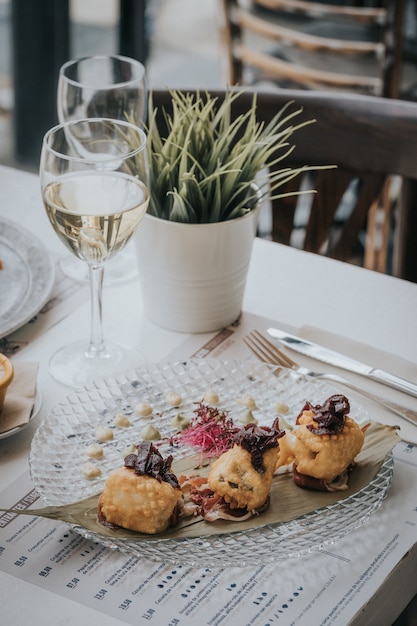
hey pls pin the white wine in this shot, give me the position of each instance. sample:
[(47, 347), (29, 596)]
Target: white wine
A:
[(95, 213)]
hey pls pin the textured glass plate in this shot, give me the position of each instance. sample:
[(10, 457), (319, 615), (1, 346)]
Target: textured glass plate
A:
[(26, 279), (58, 453)]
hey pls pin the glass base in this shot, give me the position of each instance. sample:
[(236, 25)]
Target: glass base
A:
[(71, 366), (121, 268)]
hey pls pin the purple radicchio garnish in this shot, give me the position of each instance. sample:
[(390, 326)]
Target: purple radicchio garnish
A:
[(329, 416), (257, 440), (150, 462)]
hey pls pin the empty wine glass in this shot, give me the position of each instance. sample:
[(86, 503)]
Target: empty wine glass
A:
[(102, 86), (94, 177)]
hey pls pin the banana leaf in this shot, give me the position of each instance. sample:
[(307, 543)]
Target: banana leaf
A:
[(288, 501)]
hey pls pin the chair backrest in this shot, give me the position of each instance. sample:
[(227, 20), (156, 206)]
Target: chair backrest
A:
[(301, 43), (369, 139)]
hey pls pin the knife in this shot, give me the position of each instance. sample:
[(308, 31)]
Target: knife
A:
[(331, 357)]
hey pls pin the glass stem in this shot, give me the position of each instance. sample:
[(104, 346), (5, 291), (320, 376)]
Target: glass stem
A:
[(96, 346)]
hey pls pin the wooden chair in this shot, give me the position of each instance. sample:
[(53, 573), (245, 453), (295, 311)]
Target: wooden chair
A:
[(369, 139), (307, 44)]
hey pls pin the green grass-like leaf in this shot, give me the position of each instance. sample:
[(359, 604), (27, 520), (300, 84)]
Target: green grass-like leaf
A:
[(205, 167)]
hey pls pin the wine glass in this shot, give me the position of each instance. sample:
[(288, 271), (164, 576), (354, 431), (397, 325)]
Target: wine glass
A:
[(94, 177), (102, 86)]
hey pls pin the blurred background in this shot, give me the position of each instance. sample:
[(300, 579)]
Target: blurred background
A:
[(183, 50), (180, 41)]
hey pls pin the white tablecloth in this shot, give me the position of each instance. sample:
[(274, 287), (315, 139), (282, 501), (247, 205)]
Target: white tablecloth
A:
[(361, 579)]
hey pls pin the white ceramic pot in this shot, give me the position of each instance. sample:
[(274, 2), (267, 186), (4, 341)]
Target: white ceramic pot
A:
[(193, 276)]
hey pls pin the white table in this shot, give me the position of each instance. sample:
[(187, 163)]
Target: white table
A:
[(292, 288)]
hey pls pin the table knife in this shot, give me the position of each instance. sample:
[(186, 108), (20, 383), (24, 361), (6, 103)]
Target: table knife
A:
[(320, 353)]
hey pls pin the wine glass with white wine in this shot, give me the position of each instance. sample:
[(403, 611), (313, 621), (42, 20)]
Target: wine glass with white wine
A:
[(102, 86), (94, 177)]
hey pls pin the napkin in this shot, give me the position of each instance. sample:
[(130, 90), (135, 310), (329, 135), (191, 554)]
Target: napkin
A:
[(20, 397), (371, 356)]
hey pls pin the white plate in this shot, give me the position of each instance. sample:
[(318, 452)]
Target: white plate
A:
[(58, 454), (36, 408), (26, 279)]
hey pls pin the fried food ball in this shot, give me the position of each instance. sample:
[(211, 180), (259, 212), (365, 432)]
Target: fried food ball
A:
[(144, 495), (139, 503), (324, 442), (325, 456), (239, 481), (233, 476)]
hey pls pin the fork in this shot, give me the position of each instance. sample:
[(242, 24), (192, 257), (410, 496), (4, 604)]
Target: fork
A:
[(270, 353)]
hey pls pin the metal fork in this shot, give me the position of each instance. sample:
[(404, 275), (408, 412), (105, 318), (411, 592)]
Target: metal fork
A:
[(270, 353)]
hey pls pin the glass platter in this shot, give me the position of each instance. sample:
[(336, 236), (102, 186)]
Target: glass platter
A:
[(58, 453)]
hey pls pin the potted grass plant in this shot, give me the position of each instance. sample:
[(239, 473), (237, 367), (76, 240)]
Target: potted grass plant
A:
[(209, 174)]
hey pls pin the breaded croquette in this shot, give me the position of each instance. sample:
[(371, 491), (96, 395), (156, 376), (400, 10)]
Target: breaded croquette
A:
[(324, 442), (242, 476), (144, 495)]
